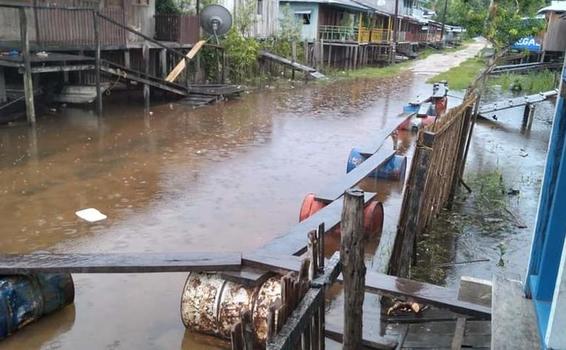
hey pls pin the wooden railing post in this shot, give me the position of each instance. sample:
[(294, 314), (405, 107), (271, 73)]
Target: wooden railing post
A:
[(353, 268), (96, 27), (28, 81), (146, 92)]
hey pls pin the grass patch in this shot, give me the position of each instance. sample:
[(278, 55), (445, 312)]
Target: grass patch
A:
[(374, 72), (532, 82), (460, 77)]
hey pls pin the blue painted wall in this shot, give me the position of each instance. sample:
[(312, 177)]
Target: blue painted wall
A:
[(308, 31), (546, 280)]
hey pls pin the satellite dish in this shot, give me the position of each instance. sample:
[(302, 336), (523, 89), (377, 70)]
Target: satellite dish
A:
[(215, 20)]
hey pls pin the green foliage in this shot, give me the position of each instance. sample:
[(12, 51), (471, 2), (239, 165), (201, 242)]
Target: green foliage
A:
[(461, 76), (500, 21), (167, 6), (289, 28), (242, 54), (532, 82)]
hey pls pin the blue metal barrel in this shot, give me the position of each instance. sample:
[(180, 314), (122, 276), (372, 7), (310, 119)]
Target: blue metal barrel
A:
[(394, 169), (25, 298)]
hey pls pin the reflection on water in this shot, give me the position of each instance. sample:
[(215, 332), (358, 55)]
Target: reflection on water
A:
[(221, 178)]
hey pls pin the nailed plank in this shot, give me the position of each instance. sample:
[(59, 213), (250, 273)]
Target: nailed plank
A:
[(181, 65), (426, 293), (439, 335), (459, 333), (119, 262), (294, 241), (514, 323), (336, 190), (278, 263), (247, 275), (287, 62)]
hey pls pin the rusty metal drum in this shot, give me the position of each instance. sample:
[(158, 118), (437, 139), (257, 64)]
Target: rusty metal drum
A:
[(212, 305), (26, 298)]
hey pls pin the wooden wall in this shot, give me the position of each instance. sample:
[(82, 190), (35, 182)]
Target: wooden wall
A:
[(555, 37)]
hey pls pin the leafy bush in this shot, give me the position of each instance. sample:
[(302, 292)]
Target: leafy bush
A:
[(242, 53)]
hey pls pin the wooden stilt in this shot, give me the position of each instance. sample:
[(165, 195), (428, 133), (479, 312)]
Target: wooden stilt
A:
[(355, 56), (329, 56), (127, 61), (96, 25), (531, 117), (163, 63), (3, 97), (293, 57), (28, 83), (146, 92), (353, 268)]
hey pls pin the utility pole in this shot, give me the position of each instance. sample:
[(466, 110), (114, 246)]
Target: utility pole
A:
[(395, 33), (443, 20)]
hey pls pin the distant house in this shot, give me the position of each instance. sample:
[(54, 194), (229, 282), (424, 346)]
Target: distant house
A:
[(555, 35), (266, 15)]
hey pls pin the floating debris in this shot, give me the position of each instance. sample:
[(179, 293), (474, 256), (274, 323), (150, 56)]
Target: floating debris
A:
[(91, 215)]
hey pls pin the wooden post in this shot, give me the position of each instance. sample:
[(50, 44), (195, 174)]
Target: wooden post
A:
[(531, 117), (146, 92), (355, 57), (329, 56), (3, 97), (321, 53), (459, 155), (306, 52), (28, 83), (293, 57), (407, 231), (163, 63), (96, 26), (127, 62), (353, 268), (224, 62)]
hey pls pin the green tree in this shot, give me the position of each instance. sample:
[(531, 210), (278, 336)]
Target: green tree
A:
[(246, 17), (289, 27)]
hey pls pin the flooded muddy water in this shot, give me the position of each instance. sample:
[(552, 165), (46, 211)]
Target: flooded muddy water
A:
[(221, 178), (228, 177)]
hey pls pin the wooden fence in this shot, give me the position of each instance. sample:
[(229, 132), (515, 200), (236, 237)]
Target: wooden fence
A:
[(183, 29), (436, 171)]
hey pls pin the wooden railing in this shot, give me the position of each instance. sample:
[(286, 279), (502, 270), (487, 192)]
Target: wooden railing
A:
[(380, 35), (338, 33)]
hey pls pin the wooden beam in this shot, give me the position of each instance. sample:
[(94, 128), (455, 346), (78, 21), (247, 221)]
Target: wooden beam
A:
[(28, 82), (181, 65), (459, 334), (119, 262), (426, 293), (51, 69)]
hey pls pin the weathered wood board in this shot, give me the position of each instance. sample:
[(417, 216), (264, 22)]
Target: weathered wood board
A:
[(181, 65), (119, 262), (426, 293)]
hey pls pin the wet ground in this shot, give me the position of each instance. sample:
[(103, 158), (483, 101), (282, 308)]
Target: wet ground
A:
[(221, 178)]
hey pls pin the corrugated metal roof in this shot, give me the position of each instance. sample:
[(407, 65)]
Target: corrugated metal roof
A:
[(342, 3), (557, 6)]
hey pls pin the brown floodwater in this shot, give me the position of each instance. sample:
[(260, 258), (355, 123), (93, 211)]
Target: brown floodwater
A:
[(220, 178), (228, 177)]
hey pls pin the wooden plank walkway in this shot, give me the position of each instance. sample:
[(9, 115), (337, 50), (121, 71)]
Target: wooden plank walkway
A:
[(425, 293), (336, 190), (119, 262), (295, 65), (379, 139), (294, 241), (516, 102)]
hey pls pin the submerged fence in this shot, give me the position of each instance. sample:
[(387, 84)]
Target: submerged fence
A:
[(436, 171)]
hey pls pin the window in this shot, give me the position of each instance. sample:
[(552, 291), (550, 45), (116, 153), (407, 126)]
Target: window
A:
[(303, 17), (306, 18)]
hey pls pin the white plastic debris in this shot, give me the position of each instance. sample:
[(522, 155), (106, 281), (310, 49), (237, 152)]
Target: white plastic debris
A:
[(91, 215)]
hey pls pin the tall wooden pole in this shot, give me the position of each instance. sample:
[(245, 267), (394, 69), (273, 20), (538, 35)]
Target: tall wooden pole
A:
[(28, 81), (395, 33), (96, 27), (145, 54), (443, 20), (353, 268)]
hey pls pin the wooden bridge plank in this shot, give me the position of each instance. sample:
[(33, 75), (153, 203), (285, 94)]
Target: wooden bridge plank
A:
[(294, 241), (441, 297), (516, 102), (378, 139), (349, 180), (119, 262)]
